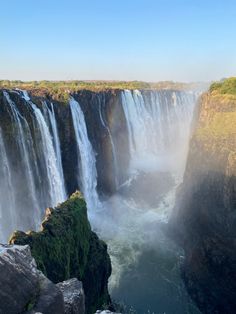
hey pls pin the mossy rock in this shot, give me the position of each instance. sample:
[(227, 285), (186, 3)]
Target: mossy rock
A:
[(67, 248)]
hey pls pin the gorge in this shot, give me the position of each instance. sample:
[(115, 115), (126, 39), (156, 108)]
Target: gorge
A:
[(127, 150)]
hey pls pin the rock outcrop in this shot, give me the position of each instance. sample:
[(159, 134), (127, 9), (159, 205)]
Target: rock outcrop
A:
[(204, 220), (24, 289), (67, 248), (73, 294)]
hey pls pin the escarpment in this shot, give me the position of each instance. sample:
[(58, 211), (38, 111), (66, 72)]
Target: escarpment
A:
[(67, 248), (204, 219)]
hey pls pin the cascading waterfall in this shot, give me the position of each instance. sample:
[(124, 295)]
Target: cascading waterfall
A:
[(56, 142), (25, 146), (56, 184), (88, 175), (158, 126), (31, 168), (6, 192)]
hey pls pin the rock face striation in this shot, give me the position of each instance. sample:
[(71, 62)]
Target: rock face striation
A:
[(24, 289), (67, 248), (204, 220)]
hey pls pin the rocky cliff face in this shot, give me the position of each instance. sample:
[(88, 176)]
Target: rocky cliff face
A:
[(205, 216), (107, 129), (67, 248)]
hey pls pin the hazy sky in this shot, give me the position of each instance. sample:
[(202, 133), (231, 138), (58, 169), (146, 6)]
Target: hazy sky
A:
[(151, 40)]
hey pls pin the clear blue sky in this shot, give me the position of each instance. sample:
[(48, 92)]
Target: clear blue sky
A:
[(151, 40)]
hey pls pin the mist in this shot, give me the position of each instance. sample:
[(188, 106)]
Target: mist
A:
[(133, 220)]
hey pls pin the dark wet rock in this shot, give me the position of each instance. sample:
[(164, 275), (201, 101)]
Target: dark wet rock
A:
[(74, 298), (105, 120), (49, 300)]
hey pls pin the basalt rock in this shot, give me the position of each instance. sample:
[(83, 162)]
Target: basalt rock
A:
[(73, 294), (24, 289), (67, 248), (204, 219), (106, 123)]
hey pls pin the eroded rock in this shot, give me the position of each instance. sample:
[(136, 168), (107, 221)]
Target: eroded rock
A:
[(24, 289), (74, 298), (66, 247)]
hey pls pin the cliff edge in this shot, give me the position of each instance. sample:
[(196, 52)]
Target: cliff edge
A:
[(204, 220)]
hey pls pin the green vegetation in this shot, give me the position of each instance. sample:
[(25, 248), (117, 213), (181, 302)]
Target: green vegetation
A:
[(217, 126), (75, 85), (67, 248), (227, 86), (61, 90), (61, 248), (60, 87)]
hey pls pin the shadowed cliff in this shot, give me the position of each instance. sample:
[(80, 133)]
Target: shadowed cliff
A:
[(204, 219)]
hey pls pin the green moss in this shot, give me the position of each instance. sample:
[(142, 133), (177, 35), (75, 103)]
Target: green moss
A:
[(67, 248), (61, 248)]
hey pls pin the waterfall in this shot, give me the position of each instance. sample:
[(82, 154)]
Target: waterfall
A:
[(56, 181), (56, 141), (31, 174), (158, 127), (7, 197), (27, 156), (88, 175), (158, 130)]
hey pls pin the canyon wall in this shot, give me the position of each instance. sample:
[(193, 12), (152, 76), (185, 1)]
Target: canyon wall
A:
[(204, 220), (93, 141)]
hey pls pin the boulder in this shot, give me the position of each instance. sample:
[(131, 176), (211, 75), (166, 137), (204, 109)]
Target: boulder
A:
[(32, 292), (74, 298)]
